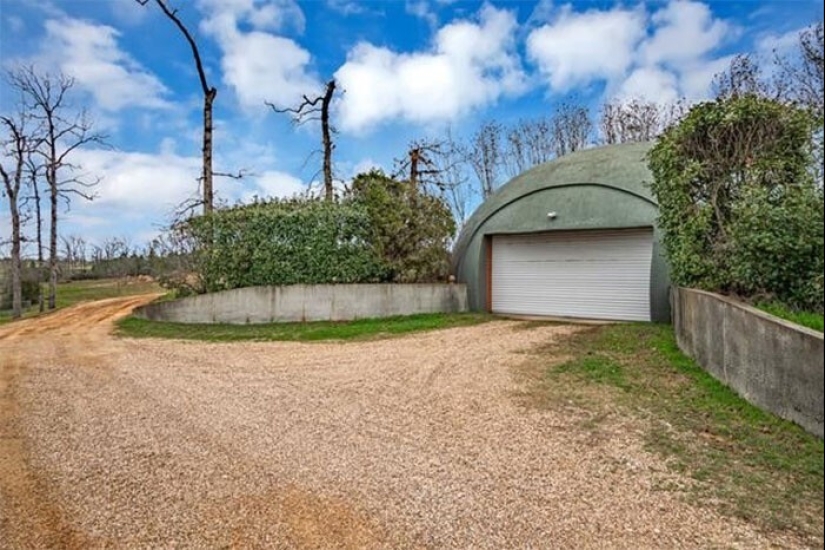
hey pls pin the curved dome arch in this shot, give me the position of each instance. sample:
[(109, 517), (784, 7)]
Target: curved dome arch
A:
[(619, 167), (588, 198)]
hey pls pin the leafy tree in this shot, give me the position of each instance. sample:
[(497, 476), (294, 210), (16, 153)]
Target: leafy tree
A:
[(409, 230), (738, 206)]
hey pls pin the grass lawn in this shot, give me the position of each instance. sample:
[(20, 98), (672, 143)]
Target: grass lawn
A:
[(749, 463), (303, 332), (75, 292), (814, 321)]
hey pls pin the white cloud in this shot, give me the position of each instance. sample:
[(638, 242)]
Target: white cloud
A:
[(695, 80), (422, 10), (257, 75), (659, 57), (578, 48), (650, 83), (140, 184), (258, 65), (685, 31), (273, 15), (91, 54), (141, 191), (273, 183), (780, 44), (347, 7), (470, 65)]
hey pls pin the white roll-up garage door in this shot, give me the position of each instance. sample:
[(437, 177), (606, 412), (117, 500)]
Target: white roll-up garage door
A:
[(586, 274)]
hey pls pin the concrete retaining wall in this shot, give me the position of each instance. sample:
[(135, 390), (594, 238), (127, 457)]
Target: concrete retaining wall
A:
[(774, 364), (272, 304)]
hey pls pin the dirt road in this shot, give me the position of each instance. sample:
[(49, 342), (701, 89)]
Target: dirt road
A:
[(405, 443)]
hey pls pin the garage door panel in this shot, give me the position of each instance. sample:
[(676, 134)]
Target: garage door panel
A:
[(593, 274)]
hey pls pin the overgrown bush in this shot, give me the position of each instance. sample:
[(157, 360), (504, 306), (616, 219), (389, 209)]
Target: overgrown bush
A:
[(408, 229), (739, 209), (382, 230), (284, 242)]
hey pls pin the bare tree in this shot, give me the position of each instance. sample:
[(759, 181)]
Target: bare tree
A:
[(35, 171), (571, 129), (420, 166), (64, 131), (318, 108), (529, 143), (486, 156), (455, 186), (16, 145), (74, 251), (115, 247), (209, 95), (802, 73), (631, 121), (743, 77)]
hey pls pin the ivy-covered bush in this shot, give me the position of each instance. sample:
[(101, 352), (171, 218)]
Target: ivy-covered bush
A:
[(409, 230), (739, 209), (284, 242), (382, 230)]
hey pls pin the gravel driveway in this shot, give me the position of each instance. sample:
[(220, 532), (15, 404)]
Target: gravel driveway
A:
[(415, 442)]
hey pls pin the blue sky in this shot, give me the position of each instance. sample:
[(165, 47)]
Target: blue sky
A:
[(409, 69)]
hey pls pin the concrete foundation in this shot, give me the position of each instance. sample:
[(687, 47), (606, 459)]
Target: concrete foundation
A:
[(294, 303), (774, 364)]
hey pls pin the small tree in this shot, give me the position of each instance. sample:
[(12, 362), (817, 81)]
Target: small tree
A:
[(730, 178), (409, 230)]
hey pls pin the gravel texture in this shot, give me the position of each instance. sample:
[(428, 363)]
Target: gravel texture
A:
[(415, 442)]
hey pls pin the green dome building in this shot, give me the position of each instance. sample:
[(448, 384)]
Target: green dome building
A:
[(575, 237)]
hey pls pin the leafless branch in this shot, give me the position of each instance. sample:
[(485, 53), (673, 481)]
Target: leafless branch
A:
[(317, 108)]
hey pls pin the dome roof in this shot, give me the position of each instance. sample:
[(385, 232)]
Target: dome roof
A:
[(622, 167)]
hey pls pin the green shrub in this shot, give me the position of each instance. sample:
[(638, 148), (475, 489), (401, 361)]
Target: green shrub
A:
[(409, 230), (284, 242), (777, 244), (738, 207), (383, 230)]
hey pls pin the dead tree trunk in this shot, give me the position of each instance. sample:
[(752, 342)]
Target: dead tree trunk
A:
[(16, 148), (206, 173), (209, 95), (38, 214), (51, 179), (326, 138), (415, 157), (421, 164), (309, 109)]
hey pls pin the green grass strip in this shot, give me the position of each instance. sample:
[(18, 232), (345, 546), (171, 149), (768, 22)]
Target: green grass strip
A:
[(297, 332)]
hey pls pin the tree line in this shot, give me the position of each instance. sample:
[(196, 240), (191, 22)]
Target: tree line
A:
[(40, 137), (45, 129)]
